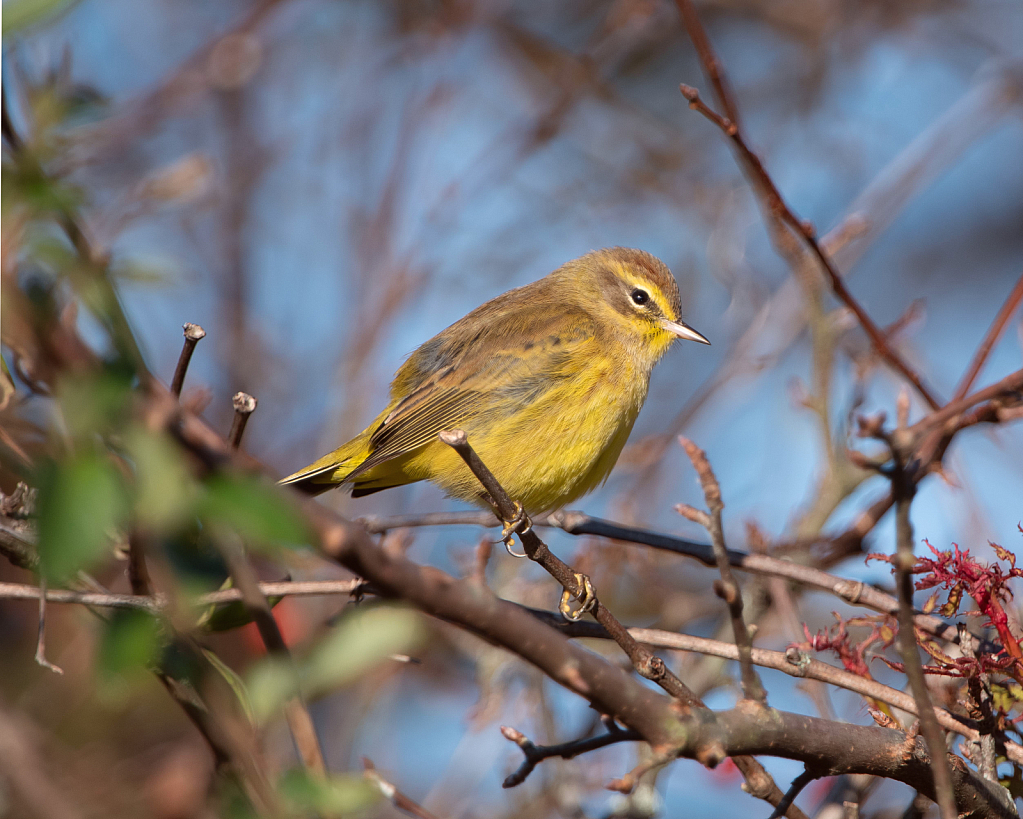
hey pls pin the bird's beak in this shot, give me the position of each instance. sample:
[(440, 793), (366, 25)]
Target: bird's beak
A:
[(683, 330)]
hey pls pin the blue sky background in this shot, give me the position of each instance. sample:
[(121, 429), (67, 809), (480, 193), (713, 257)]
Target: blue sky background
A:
[(390, 168)]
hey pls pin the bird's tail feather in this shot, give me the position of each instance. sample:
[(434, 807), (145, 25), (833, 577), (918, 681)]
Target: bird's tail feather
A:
[(332, 469)]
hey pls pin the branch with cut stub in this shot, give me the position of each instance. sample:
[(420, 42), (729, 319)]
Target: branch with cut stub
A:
[(726, 588), (578, 585)]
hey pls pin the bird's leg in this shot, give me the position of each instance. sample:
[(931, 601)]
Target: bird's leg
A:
[(586, 596), (519, 524)]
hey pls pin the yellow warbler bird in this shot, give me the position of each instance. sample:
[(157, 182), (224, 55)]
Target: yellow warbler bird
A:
[(546, 380)]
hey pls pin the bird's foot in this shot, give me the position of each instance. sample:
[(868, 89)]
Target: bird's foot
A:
[(586, 596), (519, 524)]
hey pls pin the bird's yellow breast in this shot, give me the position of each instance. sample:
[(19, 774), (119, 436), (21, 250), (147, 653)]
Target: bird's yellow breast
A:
[(547, 443)]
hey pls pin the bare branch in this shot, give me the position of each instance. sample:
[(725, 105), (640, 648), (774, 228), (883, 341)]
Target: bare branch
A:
[(793, 662), (800, 782), (727, 589)]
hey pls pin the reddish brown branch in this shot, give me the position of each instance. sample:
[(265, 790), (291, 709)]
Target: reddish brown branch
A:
[(711, 65), (805, 230)]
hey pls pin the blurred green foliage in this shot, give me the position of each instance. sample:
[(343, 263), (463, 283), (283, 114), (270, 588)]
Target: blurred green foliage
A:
[(363, 637), (82, 502)]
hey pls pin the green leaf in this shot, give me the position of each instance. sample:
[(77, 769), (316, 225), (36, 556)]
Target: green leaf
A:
[(81, 503), (94, 404), (19, 14), (366, 636), (130, 642), (330, 797), (165, 493), (254, 510), (236, 683)]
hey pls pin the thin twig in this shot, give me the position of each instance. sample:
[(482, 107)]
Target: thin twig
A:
[(800, 782), (727, 589), (711, 64), (299, 721), (393, 795), (994, 331), (535, 754), (156, 603), (244, 406), (903, 489), (806, 231), (193, 335), (41, 634)]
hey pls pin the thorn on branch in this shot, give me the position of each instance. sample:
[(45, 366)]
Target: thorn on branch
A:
[(193, 335)]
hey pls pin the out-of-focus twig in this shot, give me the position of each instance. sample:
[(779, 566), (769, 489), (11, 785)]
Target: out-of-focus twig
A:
[(709, 60), (299, 720), (727, 589), (393, 795), (156, 603), (41, 633), (25, 773), (994, 331)]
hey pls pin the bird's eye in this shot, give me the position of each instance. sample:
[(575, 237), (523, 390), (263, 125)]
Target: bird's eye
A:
[(640, 296)]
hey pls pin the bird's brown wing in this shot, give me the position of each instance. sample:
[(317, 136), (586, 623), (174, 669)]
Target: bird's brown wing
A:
[(490, 373)]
